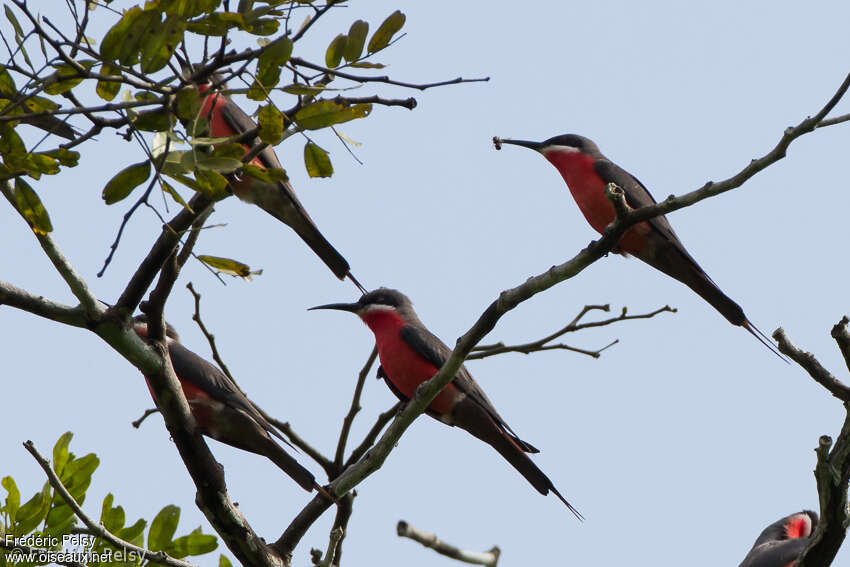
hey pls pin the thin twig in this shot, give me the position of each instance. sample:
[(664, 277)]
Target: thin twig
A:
[(811, 365), (355, 407), (159, 557), (488, 558), (484, 351)]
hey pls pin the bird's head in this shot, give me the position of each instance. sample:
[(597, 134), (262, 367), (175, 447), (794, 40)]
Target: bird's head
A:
[(563, 151), (380, 302)]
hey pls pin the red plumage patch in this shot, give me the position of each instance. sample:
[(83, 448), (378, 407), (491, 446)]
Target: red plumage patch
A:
[(798, 526)]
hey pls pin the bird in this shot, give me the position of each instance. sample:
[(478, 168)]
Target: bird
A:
[(278, 198), (222, 411), (587, 172), (782, 542), (410, 354)]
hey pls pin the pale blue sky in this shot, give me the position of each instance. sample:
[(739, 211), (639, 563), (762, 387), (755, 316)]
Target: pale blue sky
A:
[(681, 443)]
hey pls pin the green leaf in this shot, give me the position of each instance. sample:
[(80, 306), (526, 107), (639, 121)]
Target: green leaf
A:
[(263, 27), (384, 34), (123, 41), (273, 57), (324, 113), (161, 42), (318, 161), (68, 158), (212, 184), (193, 544), (154, 120), (32, 512), (56, 84), (112, 518), (13, 500), (107, 90), (188, 103), (270, 121), (176, 196), (333, 55), (368, 65), (29, 205), (123, 183), (7, 84), (134, 533), (224, 561), (271, 175), (14, 21), (61, 456), (306, 90), (163, 527), (219, 164), (229, 150), (78, 475), (356, 39), (217, 24)]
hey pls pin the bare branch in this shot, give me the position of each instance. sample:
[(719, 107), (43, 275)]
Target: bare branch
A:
[(488, 558), (148, 412), (159, 557), (299, 62), (811, 365), (484, 351), (355, 407), (842, 337), (38, 305)]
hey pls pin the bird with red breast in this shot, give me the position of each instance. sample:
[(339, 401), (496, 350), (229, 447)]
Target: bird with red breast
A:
[(410, 355)]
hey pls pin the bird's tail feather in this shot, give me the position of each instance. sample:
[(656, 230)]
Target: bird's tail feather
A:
[(470, 416)]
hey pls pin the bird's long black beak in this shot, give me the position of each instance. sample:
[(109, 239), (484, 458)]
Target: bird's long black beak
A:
[(536, 146), (350, 307)]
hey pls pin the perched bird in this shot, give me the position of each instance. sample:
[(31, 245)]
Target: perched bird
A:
[(782, 542), (277, 198), (410, 354), (222, 411), (587, 172)]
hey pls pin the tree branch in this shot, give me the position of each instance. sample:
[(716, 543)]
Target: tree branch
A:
[(355, 407), (159, 557), (76, 284), (38, 305), (811, 365), (484, 351), (488, 558), (832, 471)]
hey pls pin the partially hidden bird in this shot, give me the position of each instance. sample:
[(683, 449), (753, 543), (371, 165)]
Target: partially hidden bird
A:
[(278, 198), (782, 542), (222, 411), (410, 354), (587, 172)]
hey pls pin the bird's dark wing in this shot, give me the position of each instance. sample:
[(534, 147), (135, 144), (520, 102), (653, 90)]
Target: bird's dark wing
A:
[(637, 196), (206, 376), (436, 352), (775, 553)]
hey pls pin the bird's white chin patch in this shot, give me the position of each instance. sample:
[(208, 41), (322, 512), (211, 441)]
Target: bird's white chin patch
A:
[(559, 149), (377, 307)]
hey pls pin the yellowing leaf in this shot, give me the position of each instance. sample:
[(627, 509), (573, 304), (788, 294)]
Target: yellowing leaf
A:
[(384, 34), (324, 113), (356, 39), (270, 121), (333, 55), (29, 205), (229, 266), (317, 161)]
